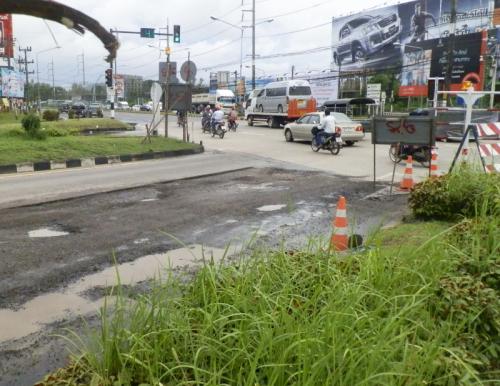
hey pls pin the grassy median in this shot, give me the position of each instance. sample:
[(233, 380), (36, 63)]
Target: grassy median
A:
[(64, 141)]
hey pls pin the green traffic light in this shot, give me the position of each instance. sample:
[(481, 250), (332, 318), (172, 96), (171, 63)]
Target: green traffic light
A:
[(177, 33)]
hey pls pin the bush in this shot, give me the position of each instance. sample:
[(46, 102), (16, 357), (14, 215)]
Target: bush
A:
[(456, 195), (31, 125), (71, 114), (50, 115), (100, 114)]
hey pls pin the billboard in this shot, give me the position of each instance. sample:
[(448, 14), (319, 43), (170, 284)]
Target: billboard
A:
[(6, 39), (11, 83), (373, 40)]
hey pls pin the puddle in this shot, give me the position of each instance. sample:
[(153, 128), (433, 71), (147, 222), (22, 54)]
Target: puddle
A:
[(149, 200), (267, 186), (141, 241), (52, 307), (231, 222), (46, 232), (271, 208)]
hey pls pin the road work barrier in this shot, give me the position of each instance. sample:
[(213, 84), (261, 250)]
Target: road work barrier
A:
[(407, 182), (340, 238), (490, 153), (434, 162)]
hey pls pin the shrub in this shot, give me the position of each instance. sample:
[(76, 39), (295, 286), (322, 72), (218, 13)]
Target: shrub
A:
[(31, 125), (50, 115), (455, 195), (100, 114), (71, 114)]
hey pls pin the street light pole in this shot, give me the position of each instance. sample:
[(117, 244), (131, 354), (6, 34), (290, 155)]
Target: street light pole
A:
[(253, 44), (38, 73)]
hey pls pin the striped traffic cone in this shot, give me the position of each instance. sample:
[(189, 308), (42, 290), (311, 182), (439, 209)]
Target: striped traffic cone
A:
[(434, 162), (340, 239), (407, 182)]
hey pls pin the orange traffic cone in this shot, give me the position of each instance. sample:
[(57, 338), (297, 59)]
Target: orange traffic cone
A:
[(340, 239), (407, 182), (434, 162)]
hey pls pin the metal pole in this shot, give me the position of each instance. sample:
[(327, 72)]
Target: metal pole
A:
[(253, 44), (53, 79), (241, 54), (494, 78), (167, 83)]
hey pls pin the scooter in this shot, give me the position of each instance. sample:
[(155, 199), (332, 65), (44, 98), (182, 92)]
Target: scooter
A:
[(232, 125), (205, 124), (422, 154), (219, 129), (333, 142)]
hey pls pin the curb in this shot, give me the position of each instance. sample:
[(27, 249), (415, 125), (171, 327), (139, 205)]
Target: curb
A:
[(30, 167)]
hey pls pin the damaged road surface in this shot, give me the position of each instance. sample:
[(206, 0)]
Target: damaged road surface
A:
[(57, 259)]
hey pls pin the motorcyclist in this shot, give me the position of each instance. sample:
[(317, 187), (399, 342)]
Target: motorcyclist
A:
[(232, 117), (207, 114), (327, 128), (217, 117)]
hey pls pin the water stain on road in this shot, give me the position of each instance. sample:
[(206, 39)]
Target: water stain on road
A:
[(271, 208), (46, 232), (53, 307)]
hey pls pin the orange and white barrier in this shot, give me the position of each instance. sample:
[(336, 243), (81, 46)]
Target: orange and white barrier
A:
[(407, 182), (490, 153), (340, 237), (488, 130), (434, 162)]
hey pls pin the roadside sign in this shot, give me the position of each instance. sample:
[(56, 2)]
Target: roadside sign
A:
[(148, 33), (188, 71), (180, 97), (156, 93), (163, 71), (407, 130), (119, 85), (373, 91)]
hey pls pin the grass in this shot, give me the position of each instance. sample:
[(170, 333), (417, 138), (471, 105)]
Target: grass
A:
[(64, 142), (19, 149), (385, 316)]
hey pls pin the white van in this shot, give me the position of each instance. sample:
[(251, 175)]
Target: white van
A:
[(276, 96)]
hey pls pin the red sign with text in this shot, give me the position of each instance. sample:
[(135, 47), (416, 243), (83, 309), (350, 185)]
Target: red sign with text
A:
[(6, 38)]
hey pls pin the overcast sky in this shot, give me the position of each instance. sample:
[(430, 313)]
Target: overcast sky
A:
[(210, 43)]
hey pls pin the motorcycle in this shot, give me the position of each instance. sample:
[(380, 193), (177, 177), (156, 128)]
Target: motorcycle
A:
[(421, 154), (232, 125), (219, 129), (205, 124), (332, 142)]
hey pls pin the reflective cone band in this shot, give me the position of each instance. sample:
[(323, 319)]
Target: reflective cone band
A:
[(407, 182), (434, 162)]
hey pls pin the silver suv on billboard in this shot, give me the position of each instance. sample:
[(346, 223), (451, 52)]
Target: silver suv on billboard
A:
[(365, 35)]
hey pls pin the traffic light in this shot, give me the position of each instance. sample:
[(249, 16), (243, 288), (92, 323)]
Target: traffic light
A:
[(109, 77), (177, 33), (148, 33)]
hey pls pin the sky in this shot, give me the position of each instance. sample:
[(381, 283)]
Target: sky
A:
[(213, 45)]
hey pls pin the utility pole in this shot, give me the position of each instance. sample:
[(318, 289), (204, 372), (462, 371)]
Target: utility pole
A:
[(26, 62), (253, 44), (51, 69), (451, 47), (82, 56), (293, 71), (167, 83)]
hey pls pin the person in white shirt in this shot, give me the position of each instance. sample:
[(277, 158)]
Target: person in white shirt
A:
[(327, 127), (217, 116)]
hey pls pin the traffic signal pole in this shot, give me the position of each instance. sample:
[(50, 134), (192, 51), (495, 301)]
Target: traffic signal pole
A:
[(167, 82)]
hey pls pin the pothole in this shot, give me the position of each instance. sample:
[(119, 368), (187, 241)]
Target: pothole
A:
[(271, 208), (47, 232)]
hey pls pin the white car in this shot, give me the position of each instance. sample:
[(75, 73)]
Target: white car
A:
[(300, 130), (136, 108)]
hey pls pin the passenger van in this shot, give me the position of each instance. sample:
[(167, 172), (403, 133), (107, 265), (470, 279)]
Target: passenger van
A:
[(276, 96)]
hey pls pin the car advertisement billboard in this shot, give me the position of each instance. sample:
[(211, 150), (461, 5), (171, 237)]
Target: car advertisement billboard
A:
[(11, 83), (375, 39), (6, 40)]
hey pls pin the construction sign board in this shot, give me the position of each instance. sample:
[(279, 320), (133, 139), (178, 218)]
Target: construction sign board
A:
[(407, 130)]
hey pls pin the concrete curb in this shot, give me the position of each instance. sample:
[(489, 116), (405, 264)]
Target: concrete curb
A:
[(30, 167)]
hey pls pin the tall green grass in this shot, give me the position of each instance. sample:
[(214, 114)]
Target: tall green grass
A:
[(382, 317)]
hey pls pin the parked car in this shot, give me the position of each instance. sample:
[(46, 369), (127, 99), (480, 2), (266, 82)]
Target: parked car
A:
[(122, 106), (366, 35), (64, 107), (136, 108), (146, 108), (301, 129)]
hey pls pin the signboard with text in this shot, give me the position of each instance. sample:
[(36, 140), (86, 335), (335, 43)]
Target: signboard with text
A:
[(6, 39), (164, 70), (408, 130), (119, 85), (11, 83)]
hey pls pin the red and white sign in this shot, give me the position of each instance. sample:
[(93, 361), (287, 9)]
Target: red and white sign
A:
[(6, 39), (119, 85)]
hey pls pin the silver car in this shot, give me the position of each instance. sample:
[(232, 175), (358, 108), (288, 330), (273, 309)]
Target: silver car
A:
[(300, 130)]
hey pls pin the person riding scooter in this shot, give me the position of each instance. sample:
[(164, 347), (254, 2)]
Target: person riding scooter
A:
[(217, 117), (327, 128), (232, 118), (206, 116)]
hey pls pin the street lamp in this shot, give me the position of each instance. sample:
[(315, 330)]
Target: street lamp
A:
[(242, 29), (38, 72)]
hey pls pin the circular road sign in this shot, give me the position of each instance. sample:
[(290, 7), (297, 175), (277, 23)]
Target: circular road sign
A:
[(188, 71)]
